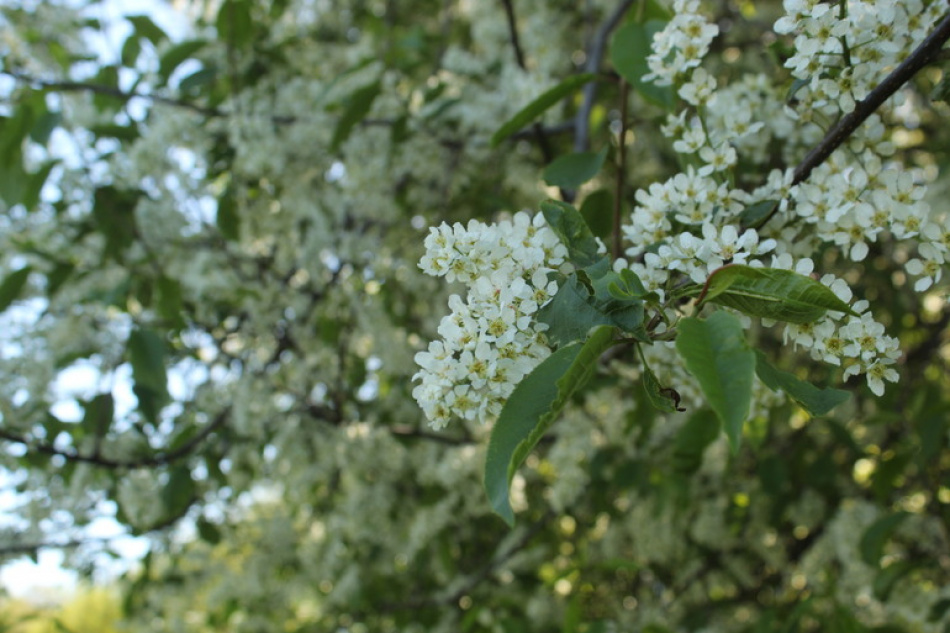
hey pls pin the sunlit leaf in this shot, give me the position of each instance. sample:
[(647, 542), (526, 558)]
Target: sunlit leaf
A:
[(782, 295)]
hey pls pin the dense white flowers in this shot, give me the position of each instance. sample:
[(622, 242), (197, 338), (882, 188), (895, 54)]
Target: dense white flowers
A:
[(682, 45), (491, 339), (841, 50)]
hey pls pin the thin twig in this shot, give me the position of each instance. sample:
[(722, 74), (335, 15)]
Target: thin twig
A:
[(845, 127), (539, 134), (595, 54), (621, 169), (109, 91), (160, 459), (513, 33), (126, 96), (19, 549)]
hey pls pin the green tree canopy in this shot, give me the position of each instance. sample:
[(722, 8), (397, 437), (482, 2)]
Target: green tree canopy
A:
[(286, 295)]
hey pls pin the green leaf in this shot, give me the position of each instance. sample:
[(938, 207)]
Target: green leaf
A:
[(938, 609), (147, 355), (114, 212), (572, 313), (814, 400), (797, 85), (234, 22), (176, 55), (886, 578), (629, 48), (570, 226), (111, 130), (531, 409), (44, 125), (179, 491), (208, 531), (700, 430), (98, 415), (716, 353), (146, 28), (13, 179), (33, 186), (13, 131), (655, 10), (662, 398), (108, 76), (55, 279), (12, 286), (626, 285), (227, 218), (598, 211), (537, 107), (753, 214), (569, 315), (198, 79), (572, 170), (355, 109), (876, 536), (169, 300), (771, 293), (131, 49)]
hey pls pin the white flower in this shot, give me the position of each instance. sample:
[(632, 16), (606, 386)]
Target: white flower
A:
[(490, 338)]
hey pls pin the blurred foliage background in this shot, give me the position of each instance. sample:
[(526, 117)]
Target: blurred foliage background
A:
[(211, 304)]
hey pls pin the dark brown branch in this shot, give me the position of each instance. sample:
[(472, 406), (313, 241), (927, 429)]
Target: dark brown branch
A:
[(539, 134), (159, 459), (513, 33), (891, 84), (846, 126)]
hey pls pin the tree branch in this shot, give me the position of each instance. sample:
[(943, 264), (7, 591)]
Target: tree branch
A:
[(109, 91), (126, 96), (598, 46), (838, 134), (513, 33), (846, 126), (539, 134), (617, 247), (159, 459)]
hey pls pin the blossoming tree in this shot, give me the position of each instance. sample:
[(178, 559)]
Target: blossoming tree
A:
[(478, 316)]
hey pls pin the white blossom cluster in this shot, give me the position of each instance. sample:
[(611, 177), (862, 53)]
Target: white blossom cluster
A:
[(681, 46), (842, 53), (696, 256), (491, 339), (842, 48), (686, 224), (857, 343)]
